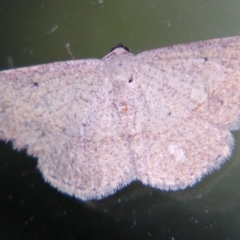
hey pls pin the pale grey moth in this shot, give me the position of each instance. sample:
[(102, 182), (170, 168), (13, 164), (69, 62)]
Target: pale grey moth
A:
[(163, 116)]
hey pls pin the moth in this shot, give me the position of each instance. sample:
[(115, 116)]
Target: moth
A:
[(162, 117)]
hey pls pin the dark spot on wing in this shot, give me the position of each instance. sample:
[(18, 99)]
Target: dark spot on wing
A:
[(130, 79)]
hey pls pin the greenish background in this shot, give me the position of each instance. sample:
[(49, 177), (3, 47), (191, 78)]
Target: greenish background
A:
[(35, 32)]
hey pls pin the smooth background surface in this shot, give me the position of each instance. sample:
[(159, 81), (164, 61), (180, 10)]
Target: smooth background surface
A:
[(35, 32)]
